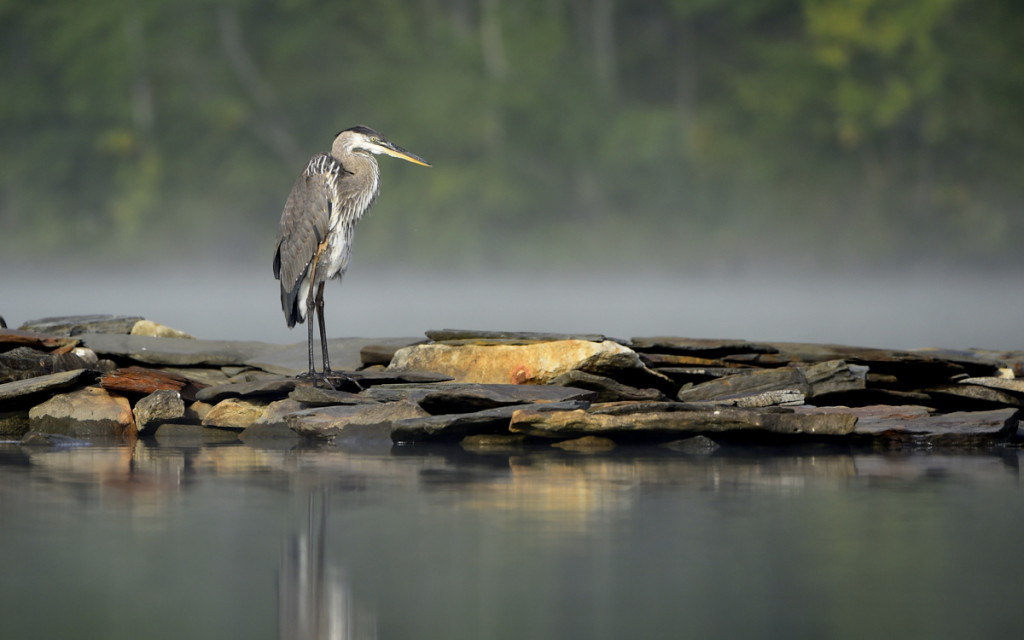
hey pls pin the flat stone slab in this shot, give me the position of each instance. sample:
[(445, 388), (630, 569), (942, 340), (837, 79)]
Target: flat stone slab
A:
[(464, 397), (960, 428), (313, 395), (74, 325), (35, 339), (919, 368), (293, 359), (832, 376), (42, 384), (368, 421), (522, 337), (453, 427), (279, 387), (1012, 385), (175, 351), (706, 348), (605, 389), (672, 420)]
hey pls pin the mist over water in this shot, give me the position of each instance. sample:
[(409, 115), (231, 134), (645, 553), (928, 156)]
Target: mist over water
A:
[(910, 310)]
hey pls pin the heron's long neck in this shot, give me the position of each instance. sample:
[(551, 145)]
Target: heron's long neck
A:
[(364, 181)]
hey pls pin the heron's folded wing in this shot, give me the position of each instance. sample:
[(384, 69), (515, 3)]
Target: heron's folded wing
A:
[(304, 222)]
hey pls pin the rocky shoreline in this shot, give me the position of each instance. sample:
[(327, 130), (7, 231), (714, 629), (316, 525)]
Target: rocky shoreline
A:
[(112, 378)]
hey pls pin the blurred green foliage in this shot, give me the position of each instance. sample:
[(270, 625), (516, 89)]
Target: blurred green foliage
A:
[(653, 133)]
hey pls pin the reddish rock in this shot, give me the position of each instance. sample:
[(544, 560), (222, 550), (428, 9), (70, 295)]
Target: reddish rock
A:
[(142, 380)]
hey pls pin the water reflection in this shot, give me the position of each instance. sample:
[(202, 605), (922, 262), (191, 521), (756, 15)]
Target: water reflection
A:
[(444, 543), (313, 599)]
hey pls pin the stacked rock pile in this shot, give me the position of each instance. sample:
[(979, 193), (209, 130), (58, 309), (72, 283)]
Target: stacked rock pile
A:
[(101, 377)]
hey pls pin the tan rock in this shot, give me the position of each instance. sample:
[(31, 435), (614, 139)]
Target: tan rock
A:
[(88, 412), (537, 363), (235, 413), (155, 330)]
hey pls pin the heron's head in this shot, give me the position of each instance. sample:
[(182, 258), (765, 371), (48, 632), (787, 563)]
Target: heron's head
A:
[(362, 138)]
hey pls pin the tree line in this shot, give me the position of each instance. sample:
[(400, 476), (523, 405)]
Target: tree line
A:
[(676, 131)]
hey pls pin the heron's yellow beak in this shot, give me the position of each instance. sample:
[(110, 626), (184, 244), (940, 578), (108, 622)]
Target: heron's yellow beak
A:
[(398, 152)]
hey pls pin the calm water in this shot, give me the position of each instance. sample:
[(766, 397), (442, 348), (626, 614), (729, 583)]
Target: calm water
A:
[(896, 310), (239, 542)]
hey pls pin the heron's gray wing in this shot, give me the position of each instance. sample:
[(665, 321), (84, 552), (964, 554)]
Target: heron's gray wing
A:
[(303, 228)]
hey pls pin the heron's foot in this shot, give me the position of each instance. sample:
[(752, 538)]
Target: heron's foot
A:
[(318, 378), (337, 379)]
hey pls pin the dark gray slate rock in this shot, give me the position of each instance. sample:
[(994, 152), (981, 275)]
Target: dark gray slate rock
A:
[(312, 395), (21, 363), (471, 336), (605, 389), (696, 374), (22, 389), (746, 383), (834, 376), (965, 396), (367, 421), (705, 348), (463, 397), (367, 379), (175, 351), (758, 399), (75, 325), (962, 428), (454, 427), (911, 369), (811, 381), (161, 406), (277, 387)]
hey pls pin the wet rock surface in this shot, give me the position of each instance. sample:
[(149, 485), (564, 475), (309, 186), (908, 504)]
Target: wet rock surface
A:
[(89, 377)]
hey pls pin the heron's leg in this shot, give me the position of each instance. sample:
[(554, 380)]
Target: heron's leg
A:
[(323, 329), (309, 336)]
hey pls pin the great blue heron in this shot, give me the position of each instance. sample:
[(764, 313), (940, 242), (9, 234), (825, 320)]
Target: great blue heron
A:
[(314, 240)]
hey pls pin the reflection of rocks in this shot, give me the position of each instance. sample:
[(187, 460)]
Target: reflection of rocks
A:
[(512, 388)]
